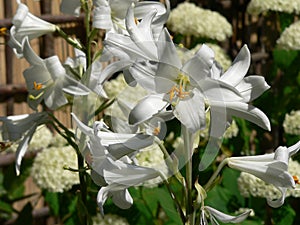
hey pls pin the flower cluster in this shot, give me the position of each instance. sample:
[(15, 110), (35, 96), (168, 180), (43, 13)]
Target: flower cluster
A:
[(250, 185), (291, 123), (232, 130), (109, 219), (256, 7), (189, 19), (41, 139), (49, 170), (152, 157), (289, 39)]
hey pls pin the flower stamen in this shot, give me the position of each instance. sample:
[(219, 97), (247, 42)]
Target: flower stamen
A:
[(156, 131), (37, 86), (296, 179), (3, 31), (179, 92)]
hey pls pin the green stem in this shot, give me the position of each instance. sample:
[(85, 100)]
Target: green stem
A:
[(71, 41), (215, 174), (173, 196), (188, 148)]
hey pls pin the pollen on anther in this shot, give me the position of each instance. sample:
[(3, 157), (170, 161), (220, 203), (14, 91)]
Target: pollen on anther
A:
[(37, 86), (156, 131), (296, 179), (3, 30)]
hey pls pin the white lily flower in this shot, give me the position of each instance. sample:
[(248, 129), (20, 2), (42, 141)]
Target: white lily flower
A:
[(21, 128), (196, 86), (271, 168), (47, 80), (117, 144), (215, 215), (27, 25), (71, 7), (110, 14), (186, 88), (77, 67), (111, 166), (139, 44)]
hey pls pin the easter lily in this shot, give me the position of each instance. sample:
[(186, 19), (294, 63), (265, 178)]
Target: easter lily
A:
[(113, 169), (71, 7), (271, 168), (119, 176), (21, 128), (27, 25), (47, 80), (110, 14)]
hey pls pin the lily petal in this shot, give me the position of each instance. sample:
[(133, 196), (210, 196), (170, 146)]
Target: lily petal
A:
[(252, 87), (146, 108), (70, 7), (199, 66), (227, 218), (245, 111), (239, 68), (143, 40), (191, 112)]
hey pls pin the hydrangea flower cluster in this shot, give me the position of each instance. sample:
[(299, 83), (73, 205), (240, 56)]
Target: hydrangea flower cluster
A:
[(255, 7), (189, 19), (109, 219), (291, 123), (290, 37), (232, 130), (48, 170), (42, 138), (250, 185), (152, 157)]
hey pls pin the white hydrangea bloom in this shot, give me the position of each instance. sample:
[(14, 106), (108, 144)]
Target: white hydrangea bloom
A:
[(232, 130), (291, 123), (290, 37), (188, 19), (42, 138), (58, 141), (48, 169), (250, 185), (109, 219), (255, 7), (152, 157)]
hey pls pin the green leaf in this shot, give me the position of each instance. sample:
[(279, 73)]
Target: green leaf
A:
[(53, 201), (284, 58), (25, 216), (6, 207), (229, 182), (284, 215), (286, 19), (168, 206)]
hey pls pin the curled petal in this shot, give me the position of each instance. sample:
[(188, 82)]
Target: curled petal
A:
[(252, 87), (245, 111), (146, 108), (227, 218)]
